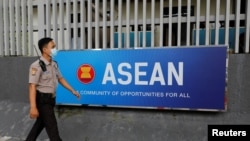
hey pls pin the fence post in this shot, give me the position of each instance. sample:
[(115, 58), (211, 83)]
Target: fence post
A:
[(1, 30), (41, 19), (247, 35)]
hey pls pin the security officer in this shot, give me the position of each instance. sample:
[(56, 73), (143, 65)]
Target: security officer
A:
[(44, 76)]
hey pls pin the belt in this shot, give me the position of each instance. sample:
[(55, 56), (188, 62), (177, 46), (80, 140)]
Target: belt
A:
[(47, 95)]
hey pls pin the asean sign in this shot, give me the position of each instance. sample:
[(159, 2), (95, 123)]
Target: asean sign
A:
[(190, 78)]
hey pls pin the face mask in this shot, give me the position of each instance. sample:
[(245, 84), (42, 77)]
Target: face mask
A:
[(53, 52)]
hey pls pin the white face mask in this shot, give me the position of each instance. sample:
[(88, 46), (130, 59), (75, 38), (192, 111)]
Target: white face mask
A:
[(53, 52)]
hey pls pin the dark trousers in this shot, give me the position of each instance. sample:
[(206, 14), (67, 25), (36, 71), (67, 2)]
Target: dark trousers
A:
[(45, 105)]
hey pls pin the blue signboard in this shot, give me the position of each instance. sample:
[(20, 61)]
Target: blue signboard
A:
[(192, 78)]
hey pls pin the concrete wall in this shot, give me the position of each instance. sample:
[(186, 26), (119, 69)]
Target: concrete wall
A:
[(114, 124)]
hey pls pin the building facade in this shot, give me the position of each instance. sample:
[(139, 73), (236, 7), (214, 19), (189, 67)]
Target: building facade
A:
[(87, 24)]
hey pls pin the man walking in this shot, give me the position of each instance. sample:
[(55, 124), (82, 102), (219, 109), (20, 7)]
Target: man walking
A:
[(44, 76)]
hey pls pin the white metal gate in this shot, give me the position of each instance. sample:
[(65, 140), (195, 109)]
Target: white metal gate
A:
[(97, 24)]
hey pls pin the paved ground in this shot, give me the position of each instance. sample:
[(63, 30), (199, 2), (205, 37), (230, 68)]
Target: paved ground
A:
[(7, 138), (15, 124)]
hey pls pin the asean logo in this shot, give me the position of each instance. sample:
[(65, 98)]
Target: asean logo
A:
[(85, 73)]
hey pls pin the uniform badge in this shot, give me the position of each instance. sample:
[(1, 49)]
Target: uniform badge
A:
[(33, 71)]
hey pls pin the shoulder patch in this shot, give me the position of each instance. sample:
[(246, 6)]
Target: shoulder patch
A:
[(33, 71)]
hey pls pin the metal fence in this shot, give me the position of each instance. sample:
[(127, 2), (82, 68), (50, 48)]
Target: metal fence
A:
[(100, 24)]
